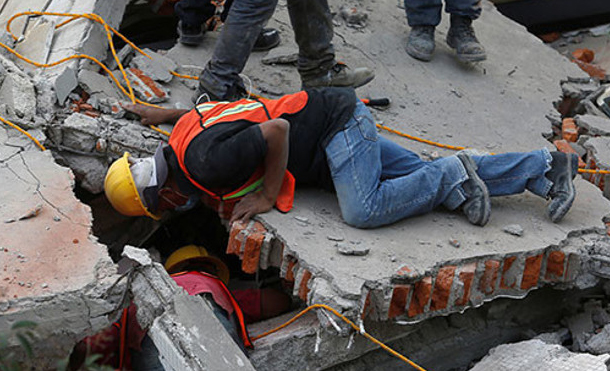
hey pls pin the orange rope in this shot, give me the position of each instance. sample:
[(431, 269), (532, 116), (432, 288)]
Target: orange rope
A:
[(24, 133), (352, 324)]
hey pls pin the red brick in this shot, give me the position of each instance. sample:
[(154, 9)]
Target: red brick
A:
[(290, 271), (398, 304), (555, 265), (608, 228), (235, 238), (562, 145), (442, 288), (466, 276), (531, 272), (487, 284), (252, 252), (152, 85), (366, 307), (591, 69), (303, 289), (420, 297), (508, 280), (569, 131), (549, 37), (584, 55)]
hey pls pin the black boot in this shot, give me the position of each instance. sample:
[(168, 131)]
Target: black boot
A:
[(563, 170), (420, 44), (268, 39), (190, 35), (477, 207), (461, 37)]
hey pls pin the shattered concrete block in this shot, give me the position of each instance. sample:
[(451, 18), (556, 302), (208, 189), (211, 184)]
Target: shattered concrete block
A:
[(95, 83), (581, 326), (536, 355), (189, 70), (599, 343), (36, 44), (146, 88), (158, 68), (110, 106), (595, 125), (89, 171), (64, 84), (80, 132), (124, 55), (579, 90), (17, 92)]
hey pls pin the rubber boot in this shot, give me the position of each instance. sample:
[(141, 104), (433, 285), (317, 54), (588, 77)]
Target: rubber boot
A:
[(564, 168), (420, 44), (477, 207), (461, 37)]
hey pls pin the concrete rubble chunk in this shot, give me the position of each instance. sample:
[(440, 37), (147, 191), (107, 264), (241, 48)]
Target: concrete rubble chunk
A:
[(90, 171), (514, 229), (124, 55), (141, 256), (65, 83), (595, 125), (158, 67), (581, 326), (599, 343), (351, 248), (536, 355), (17, 92), (557, 337), (80, 132), (95, 83)]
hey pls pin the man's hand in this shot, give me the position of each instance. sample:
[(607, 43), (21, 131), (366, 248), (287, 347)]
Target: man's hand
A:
[(154, 115), (250, 205)]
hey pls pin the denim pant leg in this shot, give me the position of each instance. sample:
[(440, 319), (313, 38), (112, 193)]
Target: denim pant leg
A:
[(366, 201), (194, 12), (467, 8), (313, 31), (423, 12), (244, 23), (396, 160), (512, 173)]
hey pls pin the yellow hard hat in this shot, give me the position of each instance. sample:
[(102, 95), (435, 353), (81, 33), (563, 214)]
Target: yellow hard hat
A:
[(121, 191), (193, 254)]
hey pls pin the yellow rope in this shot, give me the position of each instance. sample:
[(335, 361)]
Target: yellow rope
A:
[(24, 133), (352, 324)]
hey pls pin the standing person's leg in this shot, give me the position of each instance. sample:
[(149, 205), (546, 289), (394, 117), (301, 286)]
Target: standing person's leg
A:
[(422, 16), (313, 32), (193, 14), (461, 35), (354, 157), (220, 79)]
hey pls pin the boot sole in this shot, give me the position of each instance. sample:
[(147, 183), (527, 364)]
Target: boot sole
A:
[(467, 58), (472, 173), (426, 57)]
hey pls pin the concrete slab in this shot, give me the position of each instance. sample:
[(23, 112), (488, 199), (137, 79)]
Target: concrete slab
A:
[(52, 271), (534, 354)]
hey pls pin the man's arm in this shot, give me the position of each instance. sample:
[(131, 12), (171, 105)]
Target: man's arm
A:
[(155, 116), (275, 132)]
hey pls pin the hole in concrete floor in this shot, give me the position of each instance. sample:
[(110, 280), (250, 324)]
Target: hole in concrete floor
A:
[(146, 28)]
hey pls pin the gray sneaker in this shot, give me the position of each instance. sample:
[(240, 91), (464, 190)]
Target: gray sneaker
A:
[(340, 75), (420, 44), (563, 170), (477, 207), (461, 37)]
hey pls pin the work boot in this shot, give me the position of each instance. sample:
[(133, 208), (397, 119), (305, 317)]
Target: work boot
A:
[(268, 39), (477, 207), (461, 37), (234, 93), (420, 44), (190, 35), (563, 170), (340, 75)]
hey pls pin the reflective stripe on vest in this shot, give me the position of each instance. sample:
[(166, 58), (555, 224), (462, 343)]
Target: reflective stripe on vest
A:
[(208, 114)]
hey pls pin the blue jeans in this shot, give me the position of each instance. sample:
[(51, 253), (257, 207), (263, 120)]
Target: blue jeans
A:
[(428, 12), (378, 182), (313, 32)]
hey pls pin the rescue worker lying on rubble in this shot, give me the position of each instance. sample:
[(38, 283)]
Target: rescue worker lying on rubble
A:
[(241, 152)]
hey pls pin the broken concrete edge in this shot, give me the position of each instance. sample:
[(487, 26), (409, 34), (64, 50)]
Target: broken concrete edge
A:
[(448, 287), (180, 324), (62, 320)]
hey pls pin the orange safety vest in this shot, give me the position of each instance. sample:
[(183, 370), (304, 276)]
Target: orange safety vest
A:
[(188, 281), (206, 115)]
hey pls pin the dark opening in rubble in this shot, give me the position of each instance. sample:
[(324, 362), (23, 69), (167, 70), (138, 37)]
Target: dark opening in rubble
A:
[(148, 29)]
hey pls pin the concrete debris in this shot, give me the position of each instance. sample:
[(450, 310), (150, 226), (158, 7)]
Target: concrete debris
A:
[(455, 243), (64, 84), (95, 83), (189, 70), (557, 337), (352, 248), (17, 93), (599, 343), (514, 229), (353, 16), (124, 55), (89, 171), (281, 55), (80, 132), (141, 256), (593, 125), (536, 355), (302, 219), (598, 31), (157, 67), (581, 326), (335, 238), (32, 212), (146, 88)]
